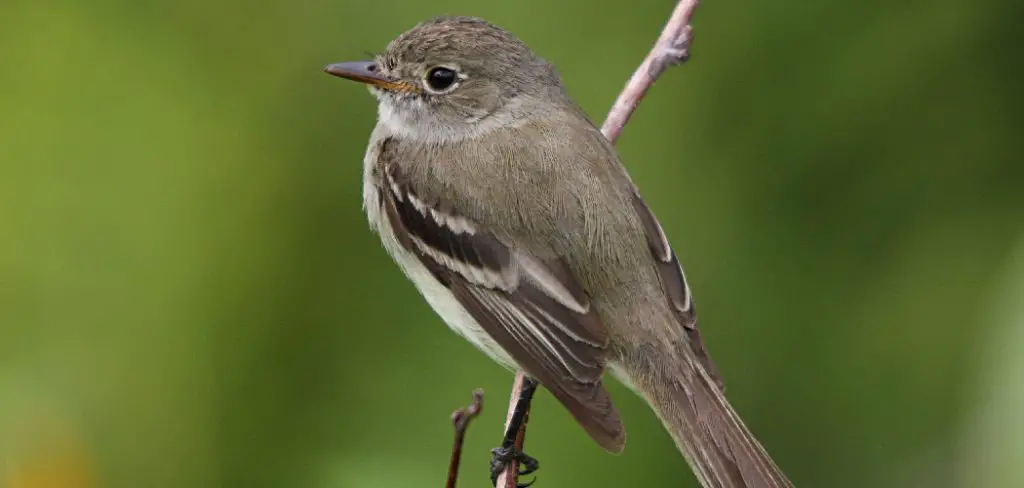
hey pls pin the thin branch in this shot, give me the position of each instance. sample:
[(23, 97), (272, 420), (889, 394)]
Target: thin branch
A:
[(672, 48), (510, 477), (460, 420)]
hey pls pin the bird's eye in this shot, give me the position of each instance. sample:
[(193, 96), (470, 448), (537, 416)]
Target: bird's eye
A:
[(440, 79)]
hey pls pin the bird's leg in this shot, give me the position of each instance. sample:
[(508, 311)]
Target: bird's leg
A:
[(508, 451)]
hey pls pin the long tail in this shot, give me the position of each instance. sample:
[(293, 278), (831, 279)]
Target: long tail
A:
[(711, 436)]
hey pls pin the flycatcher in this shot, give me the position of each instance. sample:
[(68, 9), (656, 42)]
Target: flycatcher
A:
[(513, 216)]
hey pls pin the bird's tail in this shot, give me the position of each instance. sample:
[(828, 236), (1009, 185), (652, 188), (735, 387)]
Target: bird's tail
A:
[(711, 436)]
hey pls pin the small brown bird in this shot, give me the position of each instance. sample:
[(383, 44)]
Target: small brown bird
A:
[(513, 216)]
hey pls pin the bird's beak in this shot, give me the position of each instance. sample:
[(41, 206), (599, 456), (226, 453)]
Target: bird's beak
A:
[(368, 72)]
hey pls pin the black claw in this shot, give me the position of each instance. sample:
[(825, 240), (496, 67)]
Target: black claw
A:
[(500, 458)]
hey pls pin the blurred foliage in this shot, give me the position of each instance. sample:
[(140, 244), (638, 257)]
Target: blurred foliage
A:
[(992, 447), (190, 296)]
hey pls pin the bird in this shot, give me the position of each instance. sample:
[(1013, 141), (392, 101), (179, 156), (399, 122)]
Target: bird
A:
[(515, 219)]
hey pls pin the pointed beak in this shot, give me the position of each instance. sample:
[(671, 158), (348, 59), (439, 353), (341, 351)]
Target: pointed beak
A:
[(369, 73)]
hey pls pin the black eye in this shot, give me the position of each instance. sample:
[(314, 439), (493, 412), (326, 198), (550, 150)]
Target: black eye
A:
[(440, 78)]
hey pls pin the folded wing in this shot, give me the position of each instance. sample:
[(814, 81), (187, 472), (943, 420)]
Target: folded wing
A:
[(533, 308)]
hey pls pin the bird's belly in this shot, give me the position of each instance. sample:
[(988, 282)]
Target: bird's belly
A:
[(436, 294)]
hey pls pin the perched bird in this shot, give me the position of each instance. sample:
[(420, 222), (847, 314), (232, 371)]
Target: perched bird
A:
[(514, 218)]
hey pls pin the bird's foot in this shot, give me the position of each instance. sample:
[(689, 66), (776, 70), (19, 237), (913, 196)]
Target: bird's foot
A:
[(501, 456)]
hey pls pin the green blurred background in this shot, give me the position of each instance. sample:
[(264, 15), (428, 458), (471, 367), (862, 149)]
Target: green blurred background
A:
[(190, 295)]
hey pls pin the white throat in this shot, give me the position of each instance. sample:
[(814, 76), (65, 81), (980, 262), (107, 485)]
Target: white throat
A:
[(412, 119)]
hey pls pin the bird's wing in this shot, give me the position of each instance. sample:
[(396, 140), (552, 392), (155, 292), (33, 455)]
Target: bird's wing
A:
[(673, 281), (533, 308)]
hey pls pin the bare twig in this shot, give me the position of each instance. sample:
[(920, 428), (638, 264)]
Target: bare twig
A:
[(672, 48), (510, 477), (460, 420)]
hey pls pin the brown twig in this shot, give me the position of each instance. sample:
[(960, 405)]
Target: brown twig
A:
[(460, 420), (510, 477), (672, 48)]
